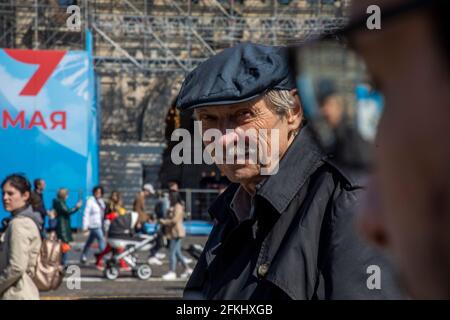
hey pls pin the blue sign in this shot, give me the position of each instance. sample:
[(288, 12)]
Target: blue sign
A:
[(48, 121)]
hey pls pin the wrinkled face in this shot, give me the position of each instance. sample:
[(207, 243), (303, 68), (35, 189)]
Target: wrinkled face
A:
[(256, 114), (412, 186), (13, 199)]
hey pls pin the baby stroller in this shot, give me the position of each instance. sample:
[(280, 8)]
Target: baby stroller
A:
[(121, 236)]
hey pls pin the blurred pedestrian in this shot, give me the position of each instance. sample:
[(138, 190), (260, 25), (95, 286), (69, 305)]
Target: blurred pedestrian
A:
[(112, 219), (20, 244), (139, 202), (175, 233), (114, 210), (174, 194), (162, 205), (161, 209), (52, 224), (37, 196), (347, 141), (93, 223), (115, 204), (63, 225), (123, 227)]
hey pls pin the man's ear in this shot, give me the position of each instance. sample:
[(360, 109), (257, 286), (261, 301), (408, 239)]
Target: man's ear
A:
[(195, 115), (295, 114)]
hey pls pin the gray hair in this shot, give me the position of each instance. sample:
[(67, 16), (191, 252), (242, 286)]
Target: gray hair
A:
[(282, 101)]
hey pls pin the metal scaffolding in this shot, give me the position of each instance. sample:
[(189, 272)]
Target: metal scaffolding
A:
[(163, 36)]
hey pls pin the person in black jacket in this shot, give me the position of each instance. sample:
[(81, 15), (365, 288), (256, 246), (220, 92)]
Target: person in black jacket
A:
[(38, 204), (38, 199), (286, 232)]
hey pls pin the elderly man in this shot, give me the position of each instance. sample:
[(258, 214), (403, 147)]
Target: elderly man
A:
[(287, 235)]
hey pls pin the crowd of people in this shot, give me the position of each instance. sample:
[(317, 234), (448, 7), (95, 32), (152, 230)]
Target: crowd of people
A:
[(21, 239)]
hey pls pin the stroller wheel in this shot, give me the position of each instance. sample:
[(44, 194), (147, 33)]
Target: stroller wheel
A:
[(112, 273), (144, 271)]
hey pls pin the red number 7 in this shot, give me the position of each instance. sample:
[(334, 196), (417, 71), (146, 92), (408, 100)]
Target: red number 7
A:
[(47, 61)]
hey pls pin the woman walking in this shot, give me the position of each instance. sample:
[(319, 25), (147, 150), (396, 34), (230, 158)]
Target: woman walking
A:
[(63, 225), (21, 242), (93, 222), (175, 232)]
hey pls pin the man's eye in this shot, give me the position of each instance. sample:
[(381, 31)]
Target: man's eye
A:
[(205, 117), (244, 114)]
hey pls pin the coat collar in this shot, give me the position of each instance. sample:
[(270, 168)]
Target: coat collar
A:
[(220, 207), (29, 213), (298, 163)]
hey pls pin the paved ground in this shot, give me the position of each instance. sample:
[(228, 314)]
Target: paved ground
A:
[(94, 286)]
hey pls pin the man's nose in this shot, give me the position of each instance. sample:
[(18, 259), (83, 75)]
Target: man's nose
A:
[(229, 136)]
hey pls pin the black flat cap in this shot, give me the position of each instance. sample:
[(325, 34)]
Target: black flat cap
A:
[(235, 75)]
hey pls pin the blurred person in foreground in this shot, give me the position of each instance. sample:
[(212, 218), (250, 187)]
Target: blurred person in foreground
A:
[(283, 235), (348, 141), (408, 206), (21, 243), (63, 224)]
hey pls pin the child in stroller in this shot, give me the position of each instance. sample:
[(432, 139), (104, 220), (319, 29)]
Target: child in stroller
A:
[(121, 235)]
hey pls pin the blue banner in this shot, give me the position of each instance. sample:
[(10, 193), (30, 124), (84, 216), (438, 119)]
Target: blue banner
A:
[(48, 121)]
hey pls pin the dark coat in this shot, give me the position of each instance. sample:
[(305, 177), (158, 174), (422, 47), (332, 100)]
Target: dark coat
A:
[(38, 204), (63, 226), (301, 242)]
